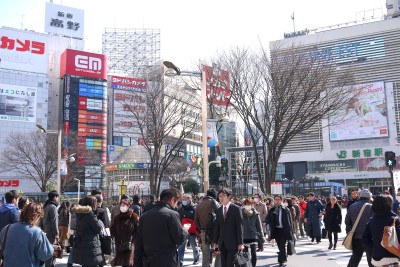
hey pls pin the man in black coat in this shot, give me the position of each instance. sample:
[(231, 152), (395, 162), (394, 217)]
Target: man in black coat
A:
[(160, 233), (228, 233), (280, 222), (353, 198), (151, 204)]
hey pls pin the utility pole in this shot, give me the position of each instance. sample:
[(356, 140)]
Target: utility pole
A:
[(292, 17)]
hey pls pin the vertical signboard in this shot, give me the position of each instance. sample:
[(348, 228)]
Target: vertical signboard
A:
[(217, 83), (129, 106)]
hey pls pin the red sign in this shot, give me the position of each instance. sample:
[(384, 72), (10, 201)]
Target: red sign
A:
[(9, 183), (83, 64), (218, 87)]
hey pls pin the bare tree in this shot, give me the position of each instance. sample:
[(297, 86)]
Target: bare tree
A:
[(281, 96), (33, 155), (167, 118)]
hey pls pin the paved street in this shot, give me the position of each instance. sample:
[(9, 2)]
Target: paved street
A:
[(308, 254)]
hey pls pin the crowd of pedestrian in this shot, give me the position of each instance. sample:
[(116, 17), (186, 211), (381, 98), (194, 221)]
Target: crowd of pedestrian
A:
[(156, 232)]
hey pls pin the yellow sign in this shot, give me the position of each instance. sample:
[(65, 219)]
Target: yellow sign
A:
[(20, 192), (122, 189), (123, 181)]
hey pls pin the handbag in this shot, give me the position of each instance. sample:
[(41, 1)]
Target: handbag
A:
[(389, 239), (242, 259), (291, 250), (105, 241), (347, 242), (3, 245), (324, 233), (125, 246), (58, 251)]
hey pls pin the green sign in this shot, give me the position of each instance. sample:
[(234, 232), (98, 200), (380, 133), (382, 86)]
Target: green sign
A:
[(357, 153)]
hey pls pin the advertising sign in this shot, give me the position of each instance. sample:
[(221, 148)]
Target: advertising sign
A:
[(335, 166), (363, 117), (22, 50), (63, 20), (83, 64), (396, 178), (218, 87), (129, 105), (373, 164), (276, 188), (212, 135), (17, 103)]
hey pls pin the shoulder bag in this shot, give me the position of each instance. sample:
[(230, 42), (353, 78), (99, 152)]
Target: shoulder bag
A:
[(347, 242), (389, 239), (242, 259), (3, 245)]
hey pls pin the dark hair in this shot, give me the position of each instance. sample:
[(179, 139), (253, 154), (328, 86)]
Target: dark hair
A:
[(123, 196), (152, 197), (52, 194), (225, 191), (382, 204), (96, 191), (278, 196), (136, 198), (99, 198), (301, 196), (169, 193), (10, 196), (311, 194), (212, 193), (257, 195), (22, 202), (90, 201), (31, 212), (289, 202)]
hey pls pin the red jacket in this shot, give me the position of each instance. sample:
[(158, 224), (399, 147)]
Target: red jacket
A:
[(302, 207)]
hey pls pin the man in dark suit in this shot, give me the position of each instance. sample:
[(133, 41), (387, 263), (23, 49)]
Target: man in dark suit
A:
[(280, 221), (228, 233)]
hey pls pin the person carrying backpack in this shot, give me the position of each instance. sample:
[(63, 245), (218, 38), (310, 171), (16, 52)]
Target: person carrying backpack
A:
[(205, 218)]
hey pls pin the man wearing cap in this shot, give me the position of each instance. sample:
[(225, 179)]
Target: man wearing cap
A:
[(358, 247)]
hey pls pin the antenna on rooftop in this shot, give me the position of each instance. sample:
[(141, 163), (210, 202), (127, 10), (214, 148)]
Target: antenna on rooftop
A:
[(22, 21), (292, 17)]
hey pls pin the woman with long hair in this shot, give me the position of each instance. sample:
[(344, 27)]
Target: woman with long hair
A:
[(372, 237), (123, 230), (26, 244), (252, 229), (63, 222), (87, 247), (333, 221)]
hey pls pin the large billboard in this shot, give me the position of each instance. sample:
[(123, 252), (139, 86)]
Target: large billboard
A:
[(364, 116), (129, 102), (22, 50), (63, 20), (17, 103), (83, 64)]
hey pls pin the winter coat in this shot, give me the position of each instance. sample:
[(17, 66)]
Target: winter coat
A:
[(314, 208), (352, 214), (302, 207), (261, 208), (26, 245), (149, 206), (9, 213), (252, 228), (102, 215), (333, 218), (159, 234), (50, 220), (187, 212), (273, 220), (352, 201), (87, 248), (372, 235), (124, 229)]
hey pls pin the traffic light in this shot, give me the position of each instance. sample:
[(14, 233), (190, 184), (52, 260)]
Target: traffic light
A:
[(390, 159), (225, 167)]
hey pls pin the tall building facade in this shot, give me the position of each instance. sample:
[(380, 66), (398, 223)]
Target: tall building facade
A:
[(352, 152)]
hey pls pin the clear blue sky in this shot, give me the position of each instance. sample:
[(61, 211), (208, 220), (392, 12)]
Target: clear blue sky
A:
[(193, 30)]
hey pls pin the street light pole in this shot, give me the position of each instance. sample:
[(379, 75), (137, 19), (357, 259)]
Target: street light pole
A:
[(79, 187), (59, 144), (206, 181)]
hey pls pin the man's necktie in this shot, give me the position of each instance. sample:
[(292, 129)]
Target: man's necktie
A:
[(225, 212)]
